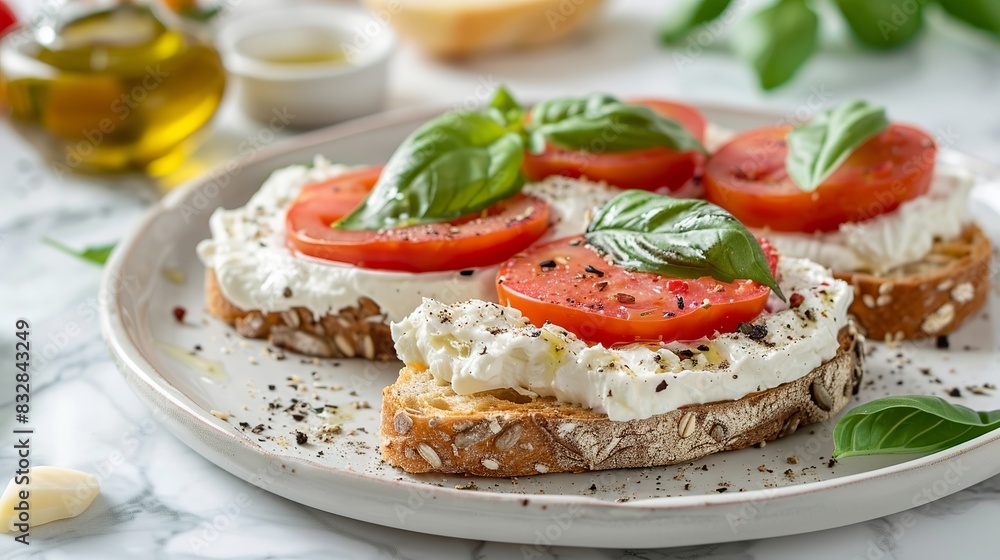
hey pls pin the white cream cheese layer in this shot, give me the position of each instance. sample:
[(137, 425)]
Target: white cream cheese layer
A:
[(478, 346), (890, 240), (256, 270)]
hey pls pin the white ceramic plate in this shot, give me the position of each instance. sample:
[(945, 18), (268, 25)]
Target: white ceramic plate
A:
[(745, 494)]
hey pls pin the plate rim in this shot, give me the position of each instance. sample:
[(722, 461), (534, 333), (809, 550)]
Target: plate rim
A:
[(131, 361)]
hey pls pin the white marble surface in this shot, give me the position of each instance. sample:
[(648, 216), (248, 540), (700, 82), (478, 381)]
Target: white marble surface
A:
[(159, 498)]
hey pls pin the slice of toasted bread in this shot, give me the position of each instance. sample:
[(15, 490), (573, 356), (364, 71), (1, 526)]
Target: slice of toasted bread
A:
[(426, 427), (931, 297), (353, 332)]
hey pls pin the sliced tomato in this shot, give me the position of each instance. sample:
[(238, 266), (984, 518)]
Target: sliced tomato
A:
[(747, 176), (649, 169), (484, 239), (566, 282)]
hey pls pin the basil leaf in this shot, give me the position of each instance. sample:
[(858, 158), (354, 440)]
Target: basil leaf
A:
[(455, 165), (691, 15), (817, 148), (601, 123), (882, 23), (909, 424), (682, 238), (777, 40), (97, 255), (506, 110), (983, 14)]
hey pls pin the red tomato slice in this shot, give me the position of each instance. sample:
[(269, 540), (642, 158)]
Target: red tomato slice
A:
[(566, 282), (747, 176), (642, 169), (473, 241)]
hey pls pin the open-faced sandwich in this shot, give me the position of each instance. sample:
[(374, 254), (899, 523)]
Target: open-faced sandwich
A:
[(665, 333), (868, 199), (324, 257)]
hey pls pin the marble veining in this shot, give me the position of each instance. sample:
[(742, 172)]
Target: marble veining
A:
[(161, 500)]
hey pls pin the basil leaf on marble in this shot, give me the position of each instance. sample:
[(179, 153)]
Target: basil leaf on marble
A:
[(817, 148), (682, 238), (96, 255), (909, 424)]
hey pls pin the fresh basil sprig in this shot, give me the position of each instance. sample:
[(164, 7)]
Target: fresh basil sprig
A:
[(683, 238), (602, 123), (777, 40), (909, 424), (455, 165), (817, 148), (877, 23), (691, 15), (96, 255)]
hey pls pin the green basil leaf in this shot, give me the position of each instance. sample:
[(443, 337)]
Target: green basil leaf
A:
[(883, 24), (97, 255), (601, 123), (455, 165), (777, 40), (982, 14), (690, 16), (682, 238), (817, 148), (908, 424), (506, 110)]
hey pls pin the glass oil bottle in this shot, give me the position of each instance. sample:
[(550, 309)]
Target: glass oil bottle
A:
[(110, 86)]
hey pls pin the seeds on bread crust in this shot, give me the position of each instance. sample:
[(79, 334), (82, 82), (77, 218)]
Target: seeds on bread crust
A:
[(508, 437), (719, 433), (929, 298), (938, 320), (301, 342), (429, 455), (356, 331), (821, 396), (402, 423), (686, 426), (473, 435)]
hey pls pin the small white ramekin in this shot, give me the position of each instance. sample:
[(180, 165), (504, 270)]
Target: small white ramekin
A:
[(310, 95)]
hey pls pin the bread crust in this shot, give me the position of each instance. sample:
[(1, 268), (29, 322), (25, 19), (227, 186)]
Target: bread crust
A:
[(358, 331), (426, 427), (930, 298), (464, 28)]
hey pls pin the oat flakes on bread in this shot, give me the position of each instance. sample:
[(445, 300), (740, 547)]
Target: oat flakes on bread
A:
[(931, 297), (427, 427)]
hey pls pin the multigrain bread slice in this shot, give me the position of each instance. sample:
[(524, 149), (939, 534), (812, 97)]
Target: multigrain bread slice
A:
[(931, 297), (353, 332), (426, 427)]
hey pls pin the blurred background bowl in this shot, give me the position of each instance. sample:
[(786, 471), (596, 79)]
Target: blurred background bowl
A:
[(319, 63)]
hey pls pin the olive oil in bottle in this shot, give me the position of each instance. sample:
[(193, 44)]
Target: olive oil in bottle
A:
[(111, 89)]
